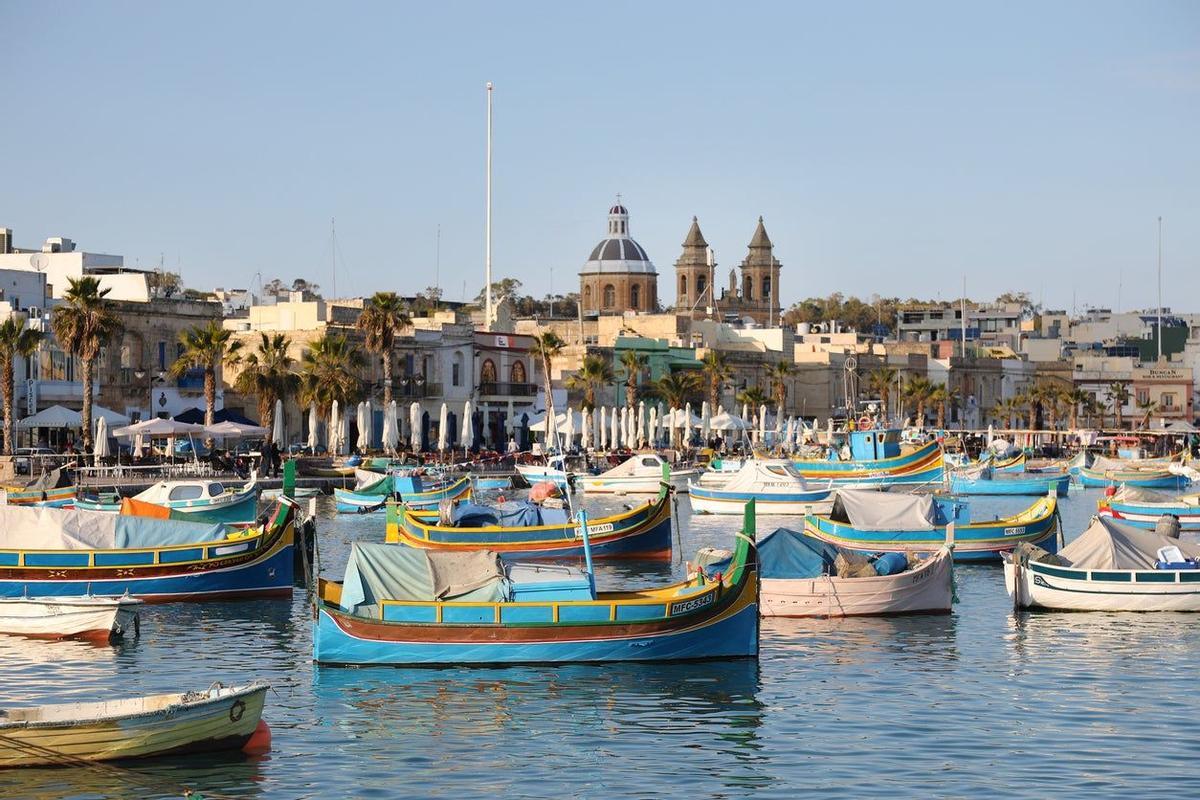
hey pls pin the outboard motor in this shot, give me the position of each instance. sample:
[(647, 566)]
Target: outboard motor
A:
[(1167, 525)]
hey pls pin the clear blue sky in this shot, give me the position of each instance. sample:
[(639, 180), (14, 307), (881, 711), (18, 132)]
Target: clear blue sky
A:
[(891, 147)]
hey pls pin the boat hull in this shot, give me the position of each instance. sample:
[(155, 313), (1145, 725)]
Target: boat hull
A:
[(984, 541), (916, 460), (54, 498), (707, 500), (1027, 487), (235, 509), (643, 533), (1066, 589), (224, 722), (1153, 480), (638, 484), (927, 589), (1147, 516), (352, 502), (96, 618)]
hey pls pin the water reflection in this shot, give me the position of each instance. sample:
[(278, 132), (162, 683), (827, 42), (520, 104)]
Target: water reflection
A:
[(223, 774)]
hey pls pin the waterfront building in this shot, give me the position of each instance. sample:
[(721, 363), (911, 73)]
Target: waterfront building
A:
[(60, 260), (618, 275), (755, 297)]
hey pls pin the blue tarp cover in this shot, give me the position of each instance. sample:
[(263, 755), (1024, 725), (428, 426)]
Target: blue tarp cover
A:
[(517, 514), (786, 553)]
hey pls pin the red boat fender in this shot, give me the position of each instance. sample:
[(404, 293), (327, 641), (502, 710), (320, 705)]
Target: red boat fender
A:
[(1109, 491), (259, 742)]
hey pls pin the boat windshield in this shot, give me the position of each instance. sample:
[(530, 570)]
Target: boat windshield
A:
[(215, 489), (189, 491)]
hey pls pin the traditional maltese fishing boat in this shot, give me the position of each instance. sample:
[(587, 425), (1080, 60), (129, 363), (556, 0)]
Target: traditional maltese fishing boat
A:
[(774, 484), (1106, 472), (399, 605), (1013, 464), (66, 552), (69, 734), (1112, 566), (1142, 508), (874, 459), (48, 489), (373, 490), (873, 522), (87, 617), (196, 499), (987, 482), (534, 531)]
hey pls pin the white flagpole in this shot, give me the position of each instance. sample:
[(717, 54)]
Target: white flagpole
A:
[(488, 224)]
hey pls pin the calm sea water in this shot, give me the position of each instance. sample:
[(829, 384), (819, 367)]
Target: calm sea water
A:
[(980, 703)]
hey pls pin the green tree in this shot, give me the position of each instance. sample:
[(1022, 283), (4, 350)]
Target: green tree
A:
[(716, 371), (16, 341), (381, 318), (545, 348), (83, 324), (918, 390), (266, 374), (943, 397), (882, 380), (677, 389), (1118, 396), (752, 396), (779, 372), (206, 347), (633, 363), (1076, 399), (594, 373), (1148, 408), (329, 371)]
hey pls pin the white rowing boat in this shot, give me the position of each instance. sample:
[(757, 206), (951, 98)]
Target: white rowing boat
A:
[(219, 718), (86, 617), (640, 474)]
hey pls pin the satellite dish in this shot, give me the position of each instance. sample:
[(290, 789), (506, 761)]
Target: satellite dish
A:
[(39, 261)]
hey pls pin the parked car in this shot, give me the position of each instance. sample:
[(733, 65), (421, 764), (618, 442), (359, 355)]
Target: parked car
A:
[(25, 457)]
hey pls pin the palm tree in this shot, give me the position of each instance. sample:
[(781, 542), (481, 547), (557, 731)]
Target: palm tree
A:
[(1050, 396), (918, 389), (1118, 396), (881, 380), (1077, 398), (329, 371), (545, 347), (594, 373), (634, 363), (1027, 402), (382, 316), (779, 373), (1091, 407), (1148, 408), (16, 341), (752, 396), (83, 324), (716, 372), (206, 347), (677, 389), (943, 397), (267, 375)]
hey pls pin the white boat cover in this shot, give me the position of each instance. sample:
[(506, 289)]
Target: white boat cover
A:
[(67, 529), (1104, 464), (766, 476), (1137, 494), (378, 572), (647, 465), (869, 510), (366, 479), (1110, 544)]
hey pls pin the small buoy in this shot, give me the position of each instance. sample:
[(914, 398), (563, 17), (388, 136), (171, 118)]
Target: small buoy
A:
[(1110, 491), (259, 741)]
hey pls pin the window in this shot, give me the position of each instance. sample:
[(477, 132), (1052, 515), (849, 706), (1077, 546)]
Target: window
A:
[(701, 285), (487, 372), (766, 287), (1167, 400), (190, 491), (635, 297), (162, 355), (683, 285), (1143, 396), (748, 288), (610, 296), (456, 370), (587, 297), (516, 373), (215, 490)]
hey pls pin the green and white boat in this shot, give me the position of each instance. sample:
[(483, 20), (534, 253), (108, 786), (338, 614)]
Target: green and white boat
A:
[(198, 499)]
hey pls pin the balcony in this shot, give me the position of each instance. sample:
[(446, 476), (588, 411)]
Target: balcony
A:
[(491, 389), (415, 390)]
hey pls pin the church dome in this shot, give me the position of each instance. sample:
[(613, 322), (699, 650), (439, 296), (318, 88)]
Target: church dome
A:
[(618, 253)]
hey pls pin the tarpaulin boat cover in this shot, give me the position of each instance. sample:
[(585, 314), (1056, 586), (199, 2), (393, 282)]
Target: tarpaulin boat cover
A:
[(869, 510), (1110, 544), (766, 477), (786, 554), (517, 514), (1136, 494), (1104, 464), (47, 480), (367, 482), (378, 572), (68, 529)]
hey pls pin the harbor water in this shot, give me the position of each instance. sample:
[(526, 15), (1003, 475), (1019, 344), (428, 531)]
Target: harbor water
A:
[(979, 703)]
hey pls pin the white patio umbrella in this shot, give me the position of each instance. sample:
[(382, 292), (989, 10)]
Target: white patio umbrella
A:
[(443, 426), (361, 420), (991, 434), (101, 448), (654, 426), (705, 421), (569, 430), (615, 426), (331, 443), (414, 422), (370, 426), (585, 431), (313, 431), (762, 423), (631, 427), (467, 428), (641, 424), (388, 435), (139, 446), (687, 424), (602, 428), (344, 435), (233, 430), (277, 426)]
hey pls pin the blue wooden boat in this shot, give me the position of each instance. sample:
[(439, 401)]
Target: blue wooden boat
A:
[(48, 490), (409, 489), (874, 522), (197, 499), (456, 612), (1146, 478), (985, 482), (875, 460), (69, 553), (487, 483), (1014, 464), (1142, 508), (528, 531)]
